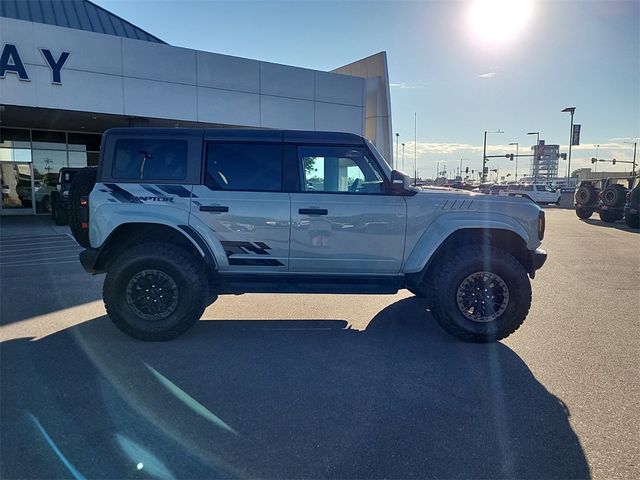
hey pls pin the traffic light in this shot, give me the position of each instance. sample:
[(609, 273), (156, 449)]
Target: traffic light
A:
[(466, 170), (510, 156), (594, 160), (613, 161), (564, 156)]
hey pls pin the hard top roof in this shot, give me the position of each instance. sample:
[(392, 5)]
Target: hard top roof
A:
[(246, 135)]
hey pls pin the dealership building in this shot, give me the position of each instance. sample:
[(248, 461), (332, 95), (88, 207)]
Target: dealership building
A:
[(70, 69)]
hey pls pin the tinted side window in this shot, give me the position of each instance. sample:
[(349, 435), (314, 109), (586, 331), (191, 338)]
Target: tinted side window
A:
[(150, 159), (338, 169), (244, 166)]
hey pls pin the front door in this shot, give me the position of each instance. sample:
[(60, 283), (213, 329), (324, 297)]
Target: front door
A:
[(342, 220), (18, 189), (243, 205)]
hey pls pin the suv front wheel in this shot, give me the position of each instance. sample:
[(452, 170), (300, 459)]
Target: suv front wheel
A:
[(155, 291), (481, 294)]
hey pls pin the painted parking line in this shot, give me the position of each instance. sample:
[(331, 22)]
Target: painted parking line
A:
[(38, 250)]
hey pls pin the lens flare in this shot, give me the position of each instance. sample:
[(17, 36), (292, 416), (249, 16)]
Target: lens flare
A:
[(498, 23)]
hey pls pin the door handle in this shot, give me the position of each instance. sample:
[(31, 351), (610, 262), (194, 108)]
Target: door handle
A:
[(213, 208), (313, 211)]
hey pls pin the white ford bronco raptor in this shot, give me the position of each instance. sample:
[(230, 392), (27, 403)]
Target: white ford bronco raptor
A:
[(176, 217)]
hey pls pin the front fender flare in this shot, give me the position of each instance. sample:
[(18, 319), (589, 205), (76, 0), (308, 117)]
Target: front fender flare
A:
[(446, 224)]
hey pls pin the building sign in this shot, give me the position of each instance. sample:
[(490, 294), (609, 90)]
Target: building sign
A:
[(575, 135), (10, 62)]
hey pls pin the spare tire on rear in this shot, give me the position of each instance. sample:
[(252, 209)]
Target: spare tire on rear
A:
[(586, 195), (81, 185), (613, 195)]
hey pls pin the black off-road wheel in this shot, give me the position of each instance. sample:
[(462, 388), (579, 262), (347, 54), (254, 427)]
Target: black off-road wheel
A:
[(632, 220), (60, 215), (607, 216), (583, 213), (81, 186), (481, 294), (155, 291)]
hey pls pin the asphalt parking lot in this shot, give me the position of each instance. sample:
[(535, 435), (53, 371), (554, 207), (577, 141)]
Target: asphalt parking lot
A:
[(300, 386)]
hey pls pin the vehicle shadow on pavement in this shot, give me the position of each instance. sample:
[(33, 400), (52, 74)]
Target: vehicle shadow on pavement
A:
[(617, 225), (280, 399)]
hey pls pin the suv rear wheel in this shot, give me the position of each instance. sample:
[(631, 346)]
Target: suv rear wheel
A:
[(608, 217), (155, 291), (481, 294), (583, 213)]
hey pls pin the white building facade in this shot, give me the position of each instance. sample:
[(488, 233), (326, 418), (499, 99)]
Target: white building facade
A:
[(69, 70)]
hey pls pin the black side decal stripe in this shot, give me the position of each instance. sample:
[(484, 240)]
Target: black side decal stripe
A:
[(152, 190), (176, 190), (121, 194), (255, 262)]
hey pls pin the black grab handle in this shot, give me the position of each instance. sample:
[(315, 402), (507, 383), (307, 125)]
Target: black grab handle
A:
[(313, 211), (213, 208)]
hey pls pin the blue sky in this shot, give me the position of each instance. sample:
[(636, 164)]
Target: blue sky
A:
[(463, 66)]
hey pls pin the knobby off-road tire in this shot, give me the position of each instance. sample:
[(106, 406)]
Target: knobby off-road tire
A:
[(613, 195), (155, 291), (506, 283), (632, 220), (583, 213), (607, 217), (586, 195), (60, 215), (82, 184)]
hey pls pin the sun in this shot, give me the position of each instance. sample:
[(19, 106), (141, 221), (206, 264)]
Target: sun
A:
[(496, 23)]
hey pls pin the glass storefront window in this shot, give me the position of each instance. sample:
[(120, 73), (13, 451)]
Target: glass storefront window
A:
[(48, 152), (48, 140), (46, 165), (15, 154), (84, 142)]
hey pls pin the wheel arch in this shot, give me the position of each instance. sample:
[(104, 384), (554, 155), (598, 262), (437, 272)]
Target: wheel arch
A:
[(503, 238), (127, 235)]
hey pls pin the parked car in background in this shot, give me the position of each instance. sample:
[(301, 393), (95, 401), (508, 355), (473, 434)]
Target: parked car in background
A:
[(586, 197), (612, 199), (632, 205), (538, 192), (60, 196), (498, 189)]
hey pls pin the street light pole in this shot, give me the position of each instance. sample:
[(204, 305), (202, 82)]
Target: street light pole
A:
[(535, 155), (397, 146), (403, 157), (517, 153), (571, 110), (484, 154), (635, 146), (484, 157)]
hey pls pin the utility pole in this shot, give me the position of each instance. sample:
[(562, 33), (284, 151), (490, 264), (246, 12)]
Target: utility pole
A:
[(415, 147), (571, 110), (403, 156), (397, 147), (484, 154)]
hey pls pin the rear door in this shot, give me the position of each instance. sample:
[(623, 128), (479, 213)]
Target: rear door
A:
[(343, 221), (242, 204)]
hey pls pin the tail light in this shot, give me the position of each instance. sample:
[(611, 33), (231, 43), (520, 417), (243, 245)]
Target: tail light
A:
[(84, 213), (541, 225)]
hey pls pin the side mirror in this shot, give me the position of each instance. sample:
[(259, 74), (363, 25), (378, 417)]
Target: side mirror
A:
[(400, 182)]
